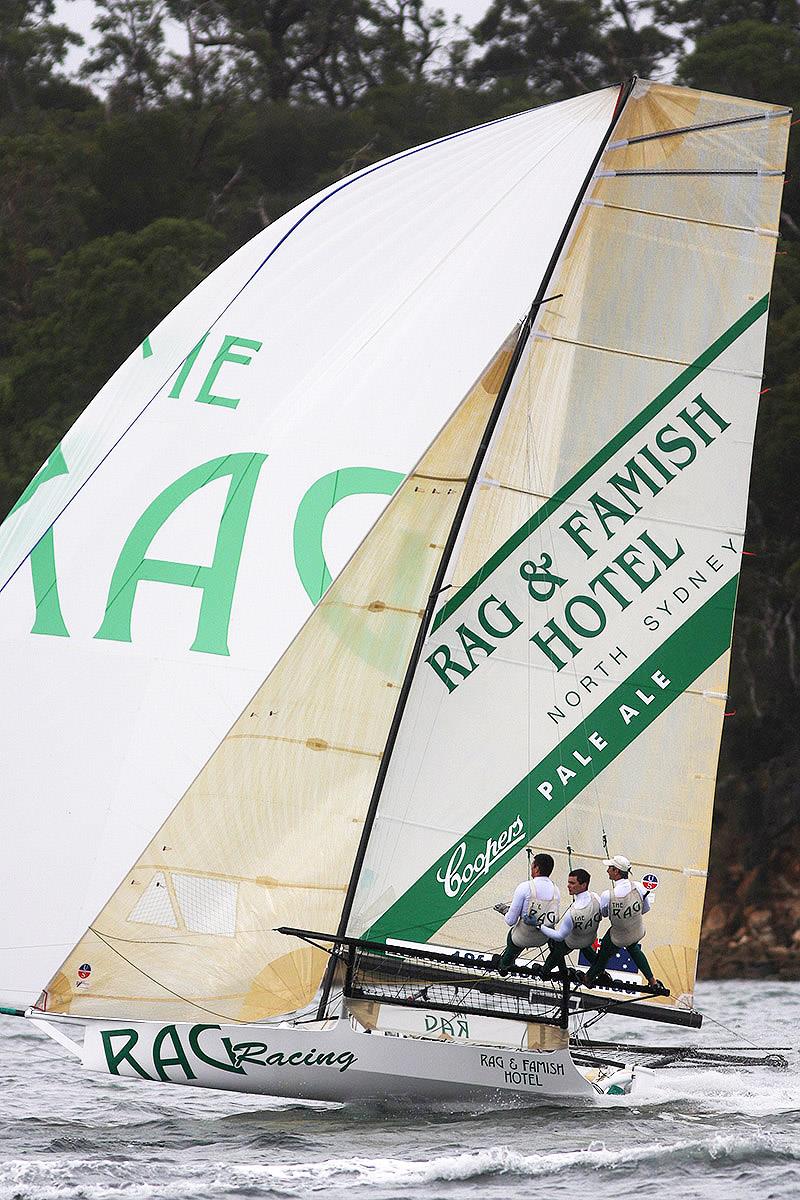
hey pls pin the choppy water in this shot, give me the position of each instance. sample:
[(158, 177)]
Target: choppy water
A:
[(709, 1134)]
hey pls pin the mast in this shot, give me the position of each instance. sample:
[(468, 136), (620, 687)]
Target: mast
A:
[(524, 335)]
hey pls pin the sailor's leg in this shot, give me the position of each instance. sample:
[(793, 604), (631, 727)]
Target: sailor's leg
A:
[(556, 957), (509, 954), (590, 954), (607, 948), (638, 957)]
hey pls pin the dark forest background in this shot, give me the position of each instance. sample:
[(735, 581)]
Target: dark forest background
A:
[(123, 185)]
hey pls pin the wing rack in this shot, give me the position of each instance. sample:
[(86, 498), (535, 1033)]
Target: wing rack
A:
[(464, 982)]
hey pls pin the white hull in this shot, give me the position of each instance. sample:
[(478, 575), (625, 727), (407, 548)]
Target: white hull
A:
[(332, 1061)]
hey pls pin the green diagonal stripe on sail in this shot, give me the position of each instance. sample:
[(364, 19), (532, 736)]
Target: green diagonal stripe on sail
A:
[(558, 498), (681, 659)]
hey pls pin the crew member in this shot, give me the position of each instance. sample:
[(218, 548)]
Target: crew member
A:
[(578, 928), (534, 901), (625, 904)]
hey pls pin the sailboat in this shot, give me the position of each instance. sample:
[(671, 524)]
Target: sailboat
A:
[(406, 545)]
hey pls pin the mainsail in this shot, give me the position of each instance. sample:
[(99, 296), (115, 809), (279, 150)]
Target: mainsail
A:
[(571, 689), (174, 544)]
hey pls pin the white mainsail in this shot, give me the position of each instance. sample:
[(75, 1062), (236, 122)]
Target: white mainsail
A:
[(177, 540), (571, 690)]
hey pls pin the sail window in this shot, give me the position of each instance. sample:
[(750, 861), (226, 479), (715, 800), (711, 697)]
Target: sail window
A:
[(207, 905), (154, 906)]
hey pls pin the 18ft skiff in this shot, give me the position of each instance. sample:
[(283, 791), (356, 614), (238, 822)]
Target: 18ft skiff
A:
[(305, 630)]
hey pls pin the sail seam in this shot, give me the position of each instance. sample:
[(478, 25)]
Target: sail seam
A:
[(315, 744), (254, 880), (672, 522), (439, 478)]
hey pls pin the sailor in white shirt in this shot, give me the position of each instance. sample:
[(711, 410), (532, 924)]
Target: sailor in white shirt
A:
[(578, 928), (625, 904), (534, 901)]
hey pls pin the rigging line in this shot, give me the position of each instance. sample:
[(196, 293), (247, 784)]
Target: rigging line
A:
[(734, 1033), (468, 912), (398, 930), (455, 528), (212, 1012), (665, 133), (328, 195)]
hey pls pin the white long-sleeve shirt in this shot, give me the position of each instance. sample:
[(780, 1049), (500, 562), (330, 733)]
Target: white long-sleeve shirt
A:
[(544, 889), (622, 888), (565, 928)]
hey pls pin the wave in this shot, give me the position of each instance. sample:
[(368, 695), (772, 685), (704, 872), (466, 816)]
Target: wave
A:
[(93, 1179), (754, 1093)]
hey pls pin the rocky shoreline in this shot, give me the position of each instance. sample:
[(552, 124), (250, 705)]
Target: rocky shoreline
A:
[(751, 922)]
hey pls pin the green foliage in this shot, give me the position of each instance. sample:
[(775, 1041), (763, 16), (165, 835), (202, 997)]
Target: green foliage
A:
[(560, 48), (44, 192), (85, 317), (130, 52), (331, 50), (747, 59), (700, 17), (141, 168), (31, 47)]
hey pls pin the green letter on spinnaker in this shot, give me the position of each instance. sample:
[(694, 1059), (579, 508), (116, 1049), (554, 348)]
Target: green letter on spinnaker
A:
[(49, 619), (217, 581), (313, 510)]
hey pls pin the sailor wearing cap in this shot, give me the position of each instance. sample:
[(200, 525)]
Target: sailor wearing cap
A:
[(534, 901), (578, 928), (625, 904)]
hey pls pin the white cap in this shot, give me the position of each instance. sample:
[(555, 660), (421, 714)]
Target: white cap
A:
[(619, 861)]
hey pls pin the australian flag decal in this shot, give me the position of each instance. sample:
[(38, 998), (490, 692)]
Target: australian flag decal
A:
[(619, 961)]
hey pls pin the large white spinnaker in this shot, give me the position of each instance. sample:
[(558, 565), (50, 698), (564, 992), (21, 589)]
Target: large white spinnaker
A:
[(176, 541), (571, 689)]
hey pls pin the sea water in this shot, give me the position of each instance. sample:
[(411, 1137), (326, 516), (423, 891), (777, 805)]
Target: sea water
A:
[(721, 1133)]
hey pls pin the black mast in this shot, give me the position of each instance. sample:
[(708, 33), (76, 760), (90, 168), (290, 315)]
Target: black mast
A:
[(522, 340)]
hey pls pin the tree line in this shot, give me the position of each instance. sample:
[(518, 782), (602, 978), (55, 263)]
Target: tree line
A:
[(124, 183)]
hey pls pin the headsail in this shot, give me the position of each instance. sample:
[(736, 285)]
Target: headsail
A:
[(572, 686), (174, 544), (268, 831)]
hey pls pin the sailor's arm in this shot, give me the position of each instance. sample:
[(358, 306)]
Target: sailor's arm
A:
[(561, 931), (517, 904)]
